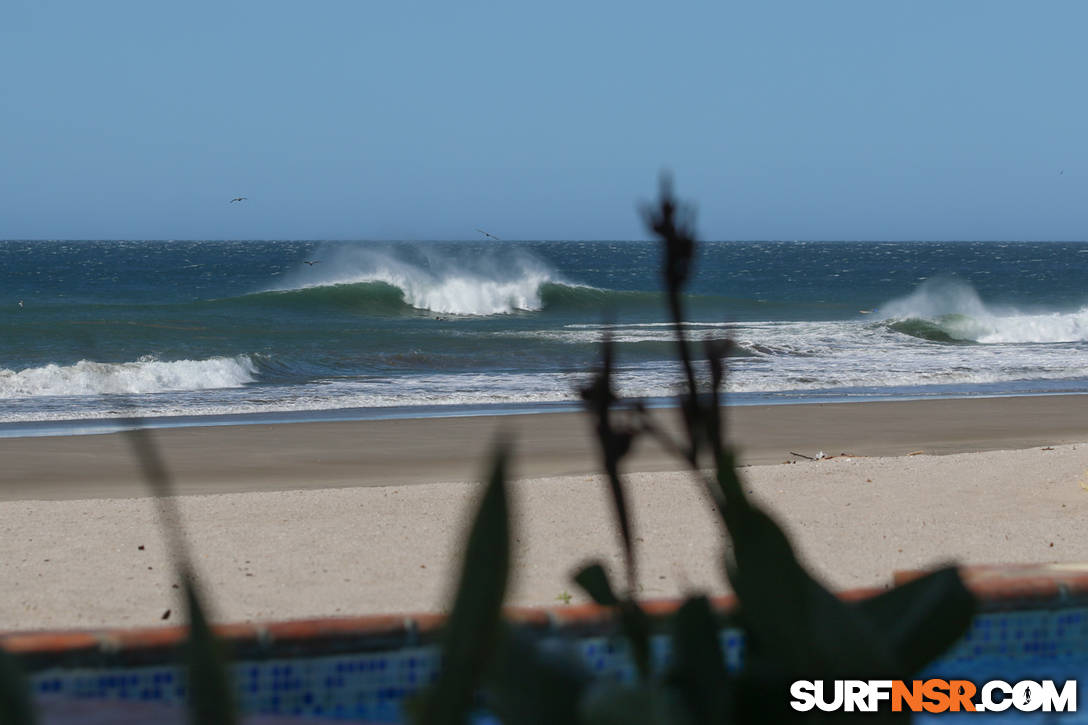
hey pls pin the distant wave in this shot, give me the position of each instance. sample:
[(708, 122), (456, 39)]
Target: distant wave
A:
[(460, 297), (146, 375), (398, 280), (952, 311), (442, 282)]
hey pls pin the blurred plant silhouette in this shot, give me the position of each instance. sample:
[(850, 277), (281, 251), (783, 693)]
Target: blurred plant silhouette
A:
[(794, 627), (208, 688), (209, 692)]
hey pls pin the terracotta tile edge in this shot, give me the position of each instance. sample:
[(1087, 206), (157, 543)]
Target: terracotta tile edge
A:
[(996, 587)]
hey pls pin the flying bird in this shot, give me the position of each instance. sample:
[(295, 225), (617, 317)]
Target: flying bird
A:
[(488, 234), (238, 198), (316, 261)]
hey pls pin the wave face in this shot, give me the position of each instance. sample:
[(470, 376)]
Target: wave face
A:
[(466, 295), (952, 311), (139, 377), (432, 280)]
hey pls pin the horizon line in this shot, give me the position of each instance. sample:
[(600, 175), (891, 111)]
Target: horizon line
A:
[(538, 240)]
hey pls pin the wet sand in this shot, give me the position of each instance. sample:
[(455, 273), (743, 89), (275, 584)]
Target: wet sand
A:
[(233, 459)]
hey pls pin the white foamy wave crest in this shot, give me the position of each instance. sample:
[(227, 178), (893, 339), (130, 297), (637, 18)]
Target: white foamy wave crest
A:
[(466, 294), (439, 280), (145, 375), (957, 310), (1054, 327)]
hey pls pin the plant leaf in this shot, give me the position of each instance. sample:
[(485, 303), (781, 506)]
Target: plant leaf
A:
[(621, 443), (614, 444), (16, 706), (535, 681), (795, 619), (473, 628), (922, 618), (608, 703), (698, 670), (594, 579), (635, 623), (636, 626), (211, 700)]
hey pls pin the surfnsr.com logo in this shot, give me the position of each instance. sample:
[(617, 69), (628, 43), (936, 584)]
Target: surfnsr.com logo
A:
[(933, 696)]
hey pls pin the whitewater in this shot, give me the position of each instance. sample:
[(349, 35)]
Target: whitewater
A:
[(436, 281), (196, 330), (141, 376), (954, 308)]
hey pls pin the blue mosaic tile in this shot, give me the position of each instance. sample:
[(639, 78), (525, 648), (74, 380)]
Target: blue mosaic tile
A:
[(1039, 644)]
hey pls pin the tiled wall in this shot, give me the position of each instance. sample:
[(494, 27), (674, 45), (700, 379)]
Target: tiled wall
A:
[(1011, 645)]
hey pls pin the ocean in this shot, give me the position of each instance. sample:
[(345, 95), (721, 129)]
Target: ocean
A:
[(202, 332)]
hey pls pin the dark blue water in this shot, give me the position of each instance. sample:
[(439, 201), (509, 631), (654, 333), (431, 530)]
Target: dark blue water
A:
[(193, 329)]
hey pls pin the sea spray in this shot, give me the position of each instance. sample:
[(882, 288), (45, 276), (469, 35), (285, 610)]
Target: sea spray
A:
[(949, 310), (935, 298), (505, 281)]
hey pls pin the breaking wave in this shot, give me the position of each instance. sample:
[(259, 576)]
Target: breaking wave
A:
[(460, 296), (430, 280), (498, 282), (145, 375), (952, 311)]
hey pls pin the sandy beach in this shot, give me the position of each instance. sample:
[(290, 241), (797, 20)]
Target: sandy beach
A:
[(318, 519)]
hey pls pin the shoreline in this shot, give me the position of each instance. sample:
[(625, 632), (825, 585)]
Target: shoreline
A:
[(320, 455), (98, 426)]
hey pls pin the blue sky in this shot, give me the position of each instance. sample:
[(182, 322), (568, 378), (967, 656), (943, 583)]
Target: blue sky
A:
[(545, 120)]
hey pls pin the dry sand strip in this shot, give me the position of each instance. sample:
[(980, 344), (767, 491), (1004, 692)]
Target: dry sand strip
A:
[(229, 459), (351, 551)]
